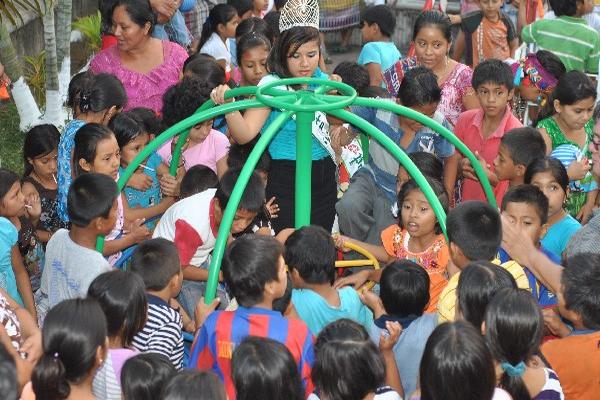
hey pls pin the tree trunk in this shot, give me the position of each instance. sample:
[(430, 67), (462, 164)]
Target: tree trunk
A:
[(27, 108), (53, 103), (63, 44)]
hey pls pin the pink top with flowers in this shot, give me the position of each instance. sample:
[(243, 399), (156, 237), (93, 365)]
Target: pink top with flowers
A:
[(143, 89)]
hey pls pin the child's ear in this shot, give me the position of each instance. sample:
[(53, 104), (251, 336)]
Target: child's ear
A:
[(296, 278), (520, 169), (544, 230), (483, 328), (220, 28), (511, 93), (557, 106), (86, 166), (99, 224)]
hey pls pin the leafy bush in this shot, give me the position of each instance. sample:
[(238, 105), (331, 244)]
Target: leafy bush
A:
[(90, 28)]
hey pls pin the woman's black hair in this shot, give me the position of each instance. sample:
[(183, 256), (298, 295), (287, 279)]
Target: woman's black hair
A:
[(125, 128), (220, 14), (249, 25), (551, 165), (78, 83), (122, 296), (436, 18), (194, 384), (144, 376), (147, 119), (264, 365), (352, 352), (250, 41), (72, 333), (86, 142), (205, 68), (139, 11), (456, 364), (551, 63), (514, 327), (7, 180), (289, 42), (100, 93), (572, 87), (419, 87), (437, 187), (272, 19), (40, 141), (478, 283)]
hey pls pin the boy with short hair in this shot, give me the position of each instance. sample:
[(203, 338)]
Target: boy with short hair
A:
[(482, 129), (518, 148), (193, 223), (254, 271), (379, 51), (486, 34), (310, 255), (72, 261), (157, 262)]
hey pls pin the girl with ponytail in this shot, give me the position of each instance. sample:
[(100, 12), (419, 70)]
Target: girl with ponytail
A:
[(513, 332), (217, 29)]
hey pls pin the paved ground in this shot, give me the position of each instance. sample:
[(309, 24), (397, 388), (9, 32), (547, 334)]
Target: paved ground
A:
[(352, 55)]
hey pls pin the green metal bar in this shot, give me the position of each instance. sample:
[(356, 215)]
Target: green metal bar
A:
[(303, 197)]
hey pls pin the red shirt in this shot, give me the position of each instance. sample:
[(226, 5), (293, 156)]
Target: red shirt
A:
[(468, 130)]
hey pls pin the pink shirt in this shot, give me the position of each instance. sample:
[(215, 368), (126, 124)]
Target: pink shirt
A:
[(143, 90), (211, 150), (468, 130)]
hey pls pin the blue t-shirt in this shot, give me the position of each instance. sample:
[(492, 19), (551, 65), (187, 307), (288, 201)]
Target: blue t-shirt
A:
[(385, 54), (64, 174), (146, 198), (382, 165), (8, 238), (317, 313), (559, 234)]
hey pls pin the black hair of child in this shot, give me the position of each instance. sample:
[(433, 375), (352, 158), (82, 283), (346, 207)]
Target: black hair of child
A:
[(281, 304), (249, 25), (86, 143), (40, 141), (524, 145), (143, 377), (194, 384), (435, 18), (564, 7), (249, 263), (419, 87), (147, 119), (581, 280), (430, 165), (122, 297), (280, 3), (551, 63), (183, 99), (250, 41), (404, 289), (341, 329), (264, 365), (253, 198), (437, 187), (8, 375), (220, 14), (90, 196), (288, 43), (125, 128), (7, 180), (239, 153), (156, 261), (205, 68), (355, 75), (477, 284), (363, 365), (456, 364), (73, 331), (241, 6), (528, 194), (475, 227), (78, 83), (514, 328), (383, 16), (551, 165), (99, 93), (572, 87), (272, 19), (375, 92), (139, 11), (311, 251), (197, 179), (493, 71)]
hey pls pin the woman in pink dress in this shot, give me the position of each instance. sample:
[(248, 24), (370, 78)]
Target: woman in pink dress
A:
[(146, 66)]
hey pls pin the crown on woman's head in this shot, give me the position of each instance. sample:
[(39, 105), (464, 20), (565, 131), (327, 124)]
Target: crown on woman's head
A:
[(299, 13)]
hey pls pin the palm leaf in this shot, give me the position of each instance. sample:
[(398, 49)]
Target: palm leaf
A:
[(12, 9)]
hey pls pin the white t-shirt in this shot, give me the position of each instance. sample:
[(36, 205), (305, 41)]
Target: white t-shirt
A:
[(217, 48)]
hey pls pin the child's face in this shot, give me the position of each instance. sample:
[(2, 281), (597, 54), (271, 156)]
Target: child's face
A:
[(491, 8), (493, 98), (260, 5), (108, 158), (504, 166), (108, 223), (546, 182), (199, 132), (281, 278), (425, 109), (585, 7), (242, 219), (526, 219), (575, 115), (133, 148), (367, 31), (431, 46), (530, 92), (304, 62), (253, 65), (13, 202), (417, 215), (228, 30), (45, 166)]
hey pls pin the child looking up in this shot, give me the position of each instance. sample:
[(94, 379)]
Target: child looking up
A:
[(482, 129), (568, 36), (218, 27), (518, 148), (550, 176), (568, 128), (486, 34), (123, 301), (310, 255), (254, 271), (378, 52)]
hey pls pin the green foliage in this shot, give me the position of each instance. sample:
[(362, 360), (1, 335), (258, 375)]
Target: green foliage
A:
[(11, 9), (90, 28), (11, 138), (35, 75)]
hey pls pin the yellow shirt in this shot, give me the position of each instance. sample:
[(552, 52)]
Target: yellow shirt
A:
[(447, 301)]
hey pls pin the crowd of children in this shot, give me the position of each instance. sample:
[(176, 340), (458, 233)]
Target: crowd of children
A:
[(493, 302)]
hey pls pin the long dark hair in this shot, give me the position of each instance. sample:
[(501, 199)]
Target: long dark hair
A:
[(288, 43), (86, 142), (98, 94), (40, 141), (72, 333), (551, 165), (7, 180), (220, 14)]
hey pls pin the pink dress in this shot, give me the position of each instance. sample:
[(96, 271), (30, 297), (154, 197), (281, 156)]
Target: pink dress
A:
[(211, 150), (143, 90)]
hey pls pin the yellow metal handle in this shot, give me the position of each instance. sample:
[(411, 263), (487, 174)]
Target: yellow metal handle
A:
[(370, 261)]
